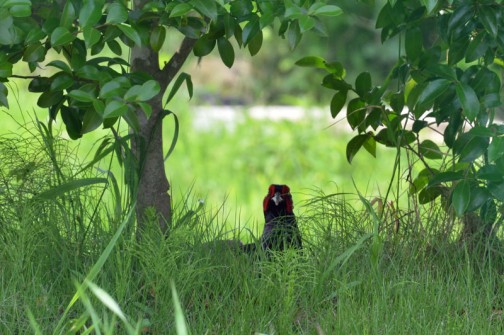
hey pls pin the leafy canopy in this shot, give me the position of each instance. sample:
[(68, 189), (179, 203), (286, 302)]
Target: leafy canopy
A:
[(448, 75), (89, 88)]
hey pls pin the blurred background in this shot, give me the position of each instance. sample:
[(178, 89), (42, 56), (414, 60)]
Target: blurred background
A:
[(263, 121)]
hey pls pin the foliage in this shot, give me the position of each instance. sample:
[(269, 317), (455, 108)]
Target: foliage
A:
[(56, 281), (447, 76), (94, 91), (129, 287)]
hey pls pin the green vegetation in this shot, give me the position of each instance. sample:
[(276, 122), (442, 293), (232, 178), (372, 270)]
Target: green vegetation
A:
[(407, 243), (448, 74), (66, 268)]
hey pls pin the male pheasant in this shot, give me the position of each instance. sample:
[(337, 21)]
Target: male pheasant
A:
[(280, 230)]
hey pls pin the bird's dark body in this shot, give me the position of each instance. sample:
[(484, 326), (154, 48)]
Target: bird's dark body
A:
[(280, 229)]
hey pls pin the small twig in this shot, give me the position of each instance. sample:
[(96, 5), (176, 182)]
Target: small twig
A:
[(23, 77)]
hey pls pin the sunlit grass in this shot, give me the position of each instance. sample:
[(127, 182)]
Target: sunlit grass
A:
[(66, 268)]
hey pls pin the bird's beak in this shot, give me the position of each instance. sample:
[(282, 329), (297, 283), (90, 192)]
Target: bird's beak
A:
[(277, 198)]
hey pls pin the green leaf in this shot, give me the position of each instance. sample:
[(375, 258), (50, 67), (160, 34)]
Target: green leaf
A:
[(468, 100), (334, 82), (497, 190), (230, 26), (68, 16), (148, 90), (266, 19), (181, 9), (356, 112), (413, 43), (397, 102), (292, 11), (226, 51), (81, 95), (338, 102), (60, 65), (131, 33), (88, 72), (5, 70), (20, 11), (62, 81), (206, 8), (496, 149), (157, 38), (312, 61), (306, 23), (34, 53), (255, 43), (180, 80), (474, 149), (72, 121), (91, 121), (3, 95), (479, 196), (241, 8), (35, 35), (418, 184), (203, 46), (294, 34), (325, 10), (430, 150), (49, 99), (250, 30), (131, 119), (99, 107), (461, 197), (111, 89), (11, 3), (115, 108), (460, 16), (488, 212), (370, 146), (91, 36), (490, 172), (481, 131), (106, 300), (385, 16), (115, 47), (433, 90), (429, 194), (133, 92), (146, 107), (69, 186), (419, 125), (117, 13), (90, 13), (490, 100), (363, 84), (488, 17), (61, 36), (444, 177), (429, 5), (175, 133), (354, 146)]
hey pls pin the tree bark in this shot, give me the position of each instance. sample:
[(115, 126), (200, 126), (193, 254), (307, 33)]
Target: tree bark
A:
[(153, 186)]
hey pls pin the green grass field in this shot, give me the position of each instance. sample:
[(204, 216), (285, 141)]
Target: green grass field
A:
[(65, 269)]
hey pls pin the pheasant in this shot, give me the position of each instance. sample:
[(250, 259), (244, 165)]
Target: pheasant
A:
[(280, 230)]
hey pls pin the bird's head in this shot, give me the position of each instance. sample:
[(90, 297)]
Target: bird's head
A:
[(278, 200)]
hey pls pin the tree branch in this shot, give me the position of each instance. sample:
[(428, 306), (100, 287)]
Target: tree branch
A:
[(170, 70), (24, 77)]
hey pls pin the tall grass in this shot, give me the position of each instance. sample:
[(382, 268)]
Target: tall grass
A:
[(69, 265)]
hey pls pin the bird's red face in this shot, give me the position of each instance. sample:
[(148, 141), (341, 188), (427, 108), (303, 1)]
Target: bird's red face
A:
[(279, 195)]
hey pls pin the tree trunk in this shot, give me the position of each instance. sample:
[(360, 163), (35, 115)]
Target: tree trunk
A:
[(153, 186)]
